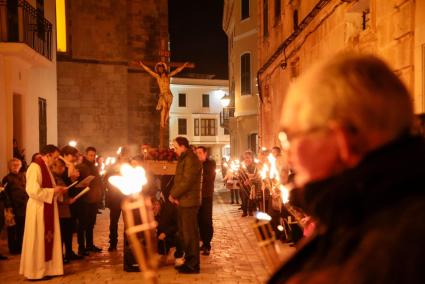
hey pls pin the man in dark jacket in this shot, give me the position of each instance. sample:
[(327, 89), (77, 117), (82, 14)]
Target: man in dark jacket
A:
[(186, 193), (114, 198), (359, 174), (18, 198), (92, 197), (206, 229)]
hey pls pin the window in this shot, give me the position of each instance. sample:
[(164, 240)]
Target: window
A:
[(40, 18), (182, 126), (208, 127), (182, 100), (246, 74), (253, 142), (277, 11), (42, 122), (205, 100), (295, 20), (265, 18), (244, 9), (61, 26), (196, 127)]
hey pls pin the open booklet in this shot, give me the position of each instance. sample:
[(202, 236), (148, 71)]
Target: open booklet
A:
[(85, 182), (81, 193)]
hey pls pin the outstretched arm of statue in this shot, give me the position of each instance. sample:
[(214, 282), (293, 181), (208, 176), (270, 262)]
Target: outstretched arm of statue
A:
[(147, 69), (179, 69)]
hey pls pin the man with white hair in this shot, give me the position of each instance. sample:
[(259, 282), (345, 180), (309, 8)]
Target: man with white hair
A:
[(359, 173)]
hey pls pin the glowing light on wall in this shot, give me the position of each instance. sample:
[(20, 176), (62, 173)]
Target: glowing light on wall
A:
[(60, 26)]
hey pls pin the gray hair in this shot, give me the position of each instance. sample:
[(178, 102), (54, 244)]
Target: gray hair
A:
[(357, 91)]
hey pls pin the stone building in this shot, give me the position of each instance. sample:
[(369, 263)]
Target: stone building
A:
[(240, 24), (296, 33), (102, 100), (195, 114), (28, 106)]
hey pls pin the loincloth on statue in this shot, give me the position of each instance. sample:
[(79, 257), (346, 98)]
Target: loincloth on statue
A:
[(165, 99)]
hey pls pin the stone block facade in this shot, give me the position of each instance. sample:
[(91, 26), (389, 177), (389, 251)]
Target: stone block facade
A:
[(386, 28), (102, 100)]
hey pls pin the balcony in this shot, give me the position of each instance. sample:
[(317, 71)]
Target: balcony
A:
[(225, 116), (22, 23)]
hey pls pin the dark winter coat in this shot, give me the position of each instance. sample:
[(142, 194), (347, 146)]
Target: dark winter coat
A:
[(208, 178), (114, 196), (16, 193), (371, 221), (187, 182), (87, 168)]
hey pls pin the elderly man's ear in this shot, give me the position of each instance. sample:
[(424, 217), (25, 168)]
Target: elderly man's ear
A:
[(349, 148)]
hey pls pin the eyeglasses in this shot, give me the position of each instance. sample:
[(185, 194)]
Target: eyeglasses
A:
[(286, 137)]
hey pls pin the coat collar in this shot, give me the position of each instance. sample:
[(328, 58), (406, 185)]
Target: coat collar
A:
[(386, 175)]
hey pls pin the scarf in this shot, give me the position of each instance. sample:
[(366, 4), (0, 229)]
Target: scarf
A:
[(48, 213)]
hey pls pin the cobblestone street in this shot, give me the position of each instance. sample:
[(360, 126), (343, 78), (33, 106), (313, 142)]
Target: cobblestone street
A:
[(234, 256)]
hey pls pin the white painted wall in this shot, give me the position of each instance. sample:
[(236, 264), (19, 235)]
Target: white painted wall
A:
[(23, 71), (194, 88)]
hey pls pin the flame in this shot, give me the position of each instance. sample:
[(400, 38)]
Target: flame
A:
[(274, 173), (119, 150), (284, 192), (131, 180), (263, 172), (263, 216)]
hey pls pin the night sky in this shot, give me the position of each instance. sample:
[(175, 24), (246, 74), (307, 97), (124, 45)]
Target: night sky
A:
[(196, 35)]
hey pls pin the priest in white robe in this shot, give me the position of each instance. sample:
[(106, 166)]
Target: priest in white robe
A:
[(42, 246)]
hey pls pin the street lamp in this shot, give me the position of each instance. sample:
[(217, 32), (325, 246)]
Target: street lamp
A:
[(225, 100), (72, 143)]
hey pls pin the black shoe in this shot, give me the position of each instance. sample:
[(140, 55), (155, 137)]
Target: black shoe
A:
[(240, 208), (83, 252), (250, 214), (244, 214), (94, 248), (232, 202), (2, 257), (130, 268), (65, 260), (206, 251), (112, 248), (188, 270), (73, 256)]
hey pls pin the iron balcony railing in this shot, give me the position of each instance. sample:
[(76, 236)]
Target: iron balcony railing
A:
[(225, 116), (21, 22)]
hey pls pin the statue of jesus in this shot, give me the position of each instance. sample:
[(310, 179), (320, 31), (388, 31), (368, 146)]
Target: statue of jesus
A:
[(163, 79)]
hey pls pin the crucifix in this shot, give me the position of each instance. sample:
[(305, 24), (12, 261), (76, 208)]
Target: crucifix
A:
[(162, 75)]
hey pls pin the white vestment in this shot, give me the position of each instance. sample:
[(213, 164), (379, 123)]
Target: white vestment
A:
[(33, 264)]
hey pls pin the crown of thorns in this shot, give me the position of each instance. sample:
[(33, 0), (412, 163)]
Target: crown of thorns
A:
[(163, 64)]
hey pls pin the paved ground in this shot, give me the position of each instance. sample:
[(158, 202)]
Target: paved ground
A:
[(234, 256)]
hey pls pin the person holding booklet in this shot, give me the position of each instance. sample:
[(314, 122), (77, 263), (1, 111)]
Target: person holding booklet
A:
[(91, 199), (42, 245), (66, 224)]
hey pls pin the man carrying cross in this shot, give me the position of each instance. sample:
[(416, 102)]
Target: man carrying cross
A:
[(42, 246)]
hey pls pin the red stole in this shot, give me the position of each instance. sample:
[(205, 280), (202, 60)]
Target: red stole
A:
[(48, 215)]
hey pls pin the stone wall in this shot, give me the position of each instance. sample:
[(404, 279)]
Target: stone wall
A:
[(389, 33), (102, 101)]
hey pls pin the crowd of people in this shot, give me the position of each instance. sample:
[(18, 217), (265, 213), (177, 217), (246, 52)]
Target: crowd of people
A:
[(349, 154), (44, 206)]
